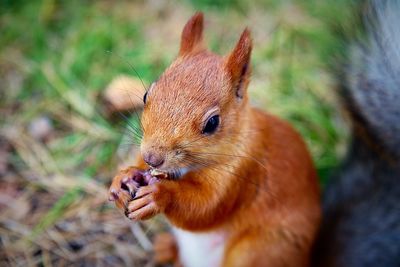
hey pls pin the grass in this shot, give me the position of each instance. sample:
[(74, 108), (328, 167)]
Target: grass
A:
[(57, 57)]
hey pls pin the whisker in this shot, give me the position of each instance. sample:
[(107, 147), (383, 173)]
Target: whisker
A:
[(137, 116), (236, 156), (203, 162), (123, 133), (127, 144), (191, 142), (135, 130), (130, 126), (131, 66), (130, 93)]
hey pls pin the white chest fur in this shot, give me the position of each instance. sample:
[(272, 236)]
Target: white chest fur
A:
[(200, 249)]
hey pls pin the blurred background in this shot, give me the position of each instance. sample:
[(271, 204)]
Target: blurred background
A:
[(66, 125)]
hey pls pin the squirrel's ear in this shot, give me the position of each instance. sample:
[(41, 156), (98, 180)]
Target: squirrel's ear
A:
[(192, 35), (238, 63)]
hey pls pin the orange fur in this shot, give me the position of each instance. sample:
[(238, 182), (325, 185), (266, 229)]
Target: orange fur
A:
[(259, 184)]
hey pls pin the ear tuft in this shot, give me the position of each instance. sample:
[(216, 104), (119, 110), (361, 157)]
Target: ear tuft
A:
[(238, 63), (192, 35)]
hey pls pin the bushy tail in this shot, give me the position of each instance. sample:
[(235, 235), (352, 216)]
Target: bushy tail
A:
[(372, 86), (361, 224)]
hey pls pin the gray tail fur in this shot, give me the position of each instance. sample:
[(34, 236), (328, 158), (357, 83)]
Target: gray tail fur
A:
[(361, 225), (372, 85)]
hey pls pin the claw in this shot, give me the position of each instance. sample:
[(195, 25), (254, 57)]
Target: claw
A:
[(125, 186), (113, 196), (130, 185)]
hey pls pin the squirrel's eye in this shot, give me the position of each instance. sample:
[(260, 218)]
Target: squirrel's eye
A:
[(211, 125), (145, 97)]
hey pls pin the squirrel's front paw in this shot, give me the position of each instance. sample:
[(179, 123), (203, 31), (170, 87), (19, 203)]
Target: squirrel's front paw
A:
[(124, 186), (143, 206)]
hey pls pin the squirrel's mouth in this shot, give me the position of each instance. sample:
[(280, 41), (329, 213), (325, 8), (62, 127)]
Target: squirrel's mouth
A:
[(172, 174), (178, 173)]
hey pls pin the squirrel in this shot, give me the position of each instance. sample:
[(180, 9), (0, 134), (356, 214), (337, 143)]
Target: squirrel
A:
[(242, 188), (361, 204)]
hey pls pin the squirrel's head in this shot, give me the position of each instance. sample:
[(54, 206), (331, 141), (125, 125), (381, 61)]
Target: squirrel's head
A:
[(195, 110)]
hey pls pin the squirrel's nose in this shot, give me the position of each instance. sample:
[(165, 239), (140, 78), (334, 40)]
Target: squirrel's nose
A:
[(153, 160)]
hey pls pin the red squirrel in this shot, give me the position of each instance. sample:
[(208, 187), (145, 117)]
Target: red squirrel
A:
[(242, 189)]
